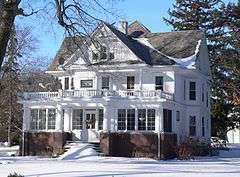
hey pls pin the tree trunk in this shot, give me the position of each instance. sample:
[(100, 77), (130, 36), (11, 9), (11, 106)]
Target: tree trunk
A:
[(8, 12)]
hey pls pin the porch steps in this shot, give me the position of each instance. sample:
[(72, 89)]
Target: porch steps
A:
[(78, 149)]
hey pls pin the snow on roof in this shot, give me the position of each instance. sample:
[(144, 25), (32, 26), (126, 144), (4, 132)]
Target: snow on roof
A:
[(187, 62)]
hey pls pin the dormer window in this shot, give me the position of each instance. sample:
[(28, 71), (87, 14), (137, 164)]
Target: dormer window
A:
[(102, 54)]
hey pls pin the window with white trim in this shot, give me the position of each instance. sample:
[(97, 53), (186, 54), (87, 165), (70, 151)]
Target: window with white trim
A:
[(43, 119), (151, 119), (192, 125), (77, 119), (141, 119), (158, 83), (66, 83), (192, 90), (131, 119), (51, 119), (102, 53), (130, 82), (72, 83), (121, 119), (105, 82), (87, 83)]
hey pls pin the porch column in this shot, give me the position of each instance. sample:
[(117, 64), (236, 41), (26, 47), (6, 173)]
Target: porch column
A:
[(160, 125), (26, 118), (59, 118), (67, 119), (136, 119), (106, 117)]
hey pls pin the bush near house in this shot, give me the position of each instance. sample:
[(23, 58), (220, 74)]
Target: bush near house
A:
[(15, 175), (194, 147)]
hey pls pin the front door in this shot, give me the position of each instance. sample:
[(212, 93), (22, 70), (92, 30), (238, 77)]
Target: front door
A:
[(90, 120), (91, 133)]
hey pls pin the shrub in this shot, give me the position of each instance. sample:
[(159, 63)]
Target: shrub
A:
[(15, 175), (193, 147)]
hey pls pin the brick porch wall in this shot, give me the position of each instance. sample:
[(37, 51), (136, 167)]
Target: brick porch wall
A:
[(45, 143), (138, 145)]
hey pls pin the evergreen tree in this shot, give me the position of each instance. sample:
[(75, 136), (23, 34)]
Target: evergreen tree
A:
[(210, 17)]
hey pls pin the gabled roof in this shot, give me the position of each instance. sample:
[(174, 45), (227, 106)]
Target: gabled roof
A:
[(68, 47), (137, 29), (160, 48)]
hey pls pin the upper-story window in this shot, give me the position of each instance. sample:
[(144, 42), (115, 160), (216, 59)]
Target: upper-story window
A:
[(72, 83), (102, 53), (105, 82), (130, 82), (158, 83), (192, 90), (207, 100), (66, 83), (87, 83)]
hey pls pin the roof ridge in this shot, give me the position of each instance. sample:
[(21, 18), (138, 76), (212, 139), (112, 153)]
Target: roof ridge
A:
[(142, 25)]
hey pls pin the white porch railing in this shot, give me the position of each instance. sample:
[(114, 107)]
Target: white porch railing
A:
[(97, 93)]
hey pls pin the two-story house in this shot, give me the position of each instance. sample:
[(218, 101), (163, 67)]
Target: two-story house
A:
[(124, 79)]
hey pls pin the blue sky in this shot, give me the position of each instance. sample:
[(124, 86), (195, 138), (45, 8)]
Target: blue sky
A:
[(149, 12)]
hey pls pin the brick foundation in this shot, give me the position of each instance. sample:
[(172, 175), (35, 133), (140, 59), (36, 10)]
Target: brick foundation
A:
[(45, 143), (138, 145)]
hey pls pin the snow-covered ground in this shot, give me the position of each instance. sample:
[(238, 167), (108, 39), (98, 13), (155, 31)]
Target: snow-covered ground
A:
[(227, 164)]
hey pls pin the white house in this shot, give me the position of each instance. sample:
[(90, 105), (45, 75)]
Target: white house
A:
[(126, 79)]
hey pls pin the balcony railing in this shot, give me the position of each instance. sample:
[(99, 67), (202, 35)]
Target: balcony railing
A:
[(96, 94)]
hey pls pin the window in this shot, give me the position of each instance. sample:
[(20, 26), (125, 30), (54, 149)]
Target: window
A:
[(122, 119), (38, 119), (151, 119), (77, 119), (131, 119), (203, 93), (94, 56), (86, 83), (100, 119), (167, 120), (203, 127), (207, 99), (42, 119), (51, 119), (130, 82), (192, 90), (111, 56), (192, 126), (178, 116), (105, 83), (103, 53), (34, 119), (141, 119), (72, 83), (158, 83), (66, 83), (184, 90)]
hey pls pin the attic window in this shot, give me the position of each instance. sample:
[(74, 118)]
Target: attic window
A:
[(102, 54)]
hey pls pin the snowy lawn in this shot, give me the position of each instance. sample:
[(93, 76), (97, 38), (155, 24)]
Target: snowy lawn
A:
[(227, 164)]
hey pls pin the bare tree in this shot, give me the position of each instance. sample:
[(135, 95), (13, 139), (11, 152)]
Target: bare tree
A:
[(75, 16)]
